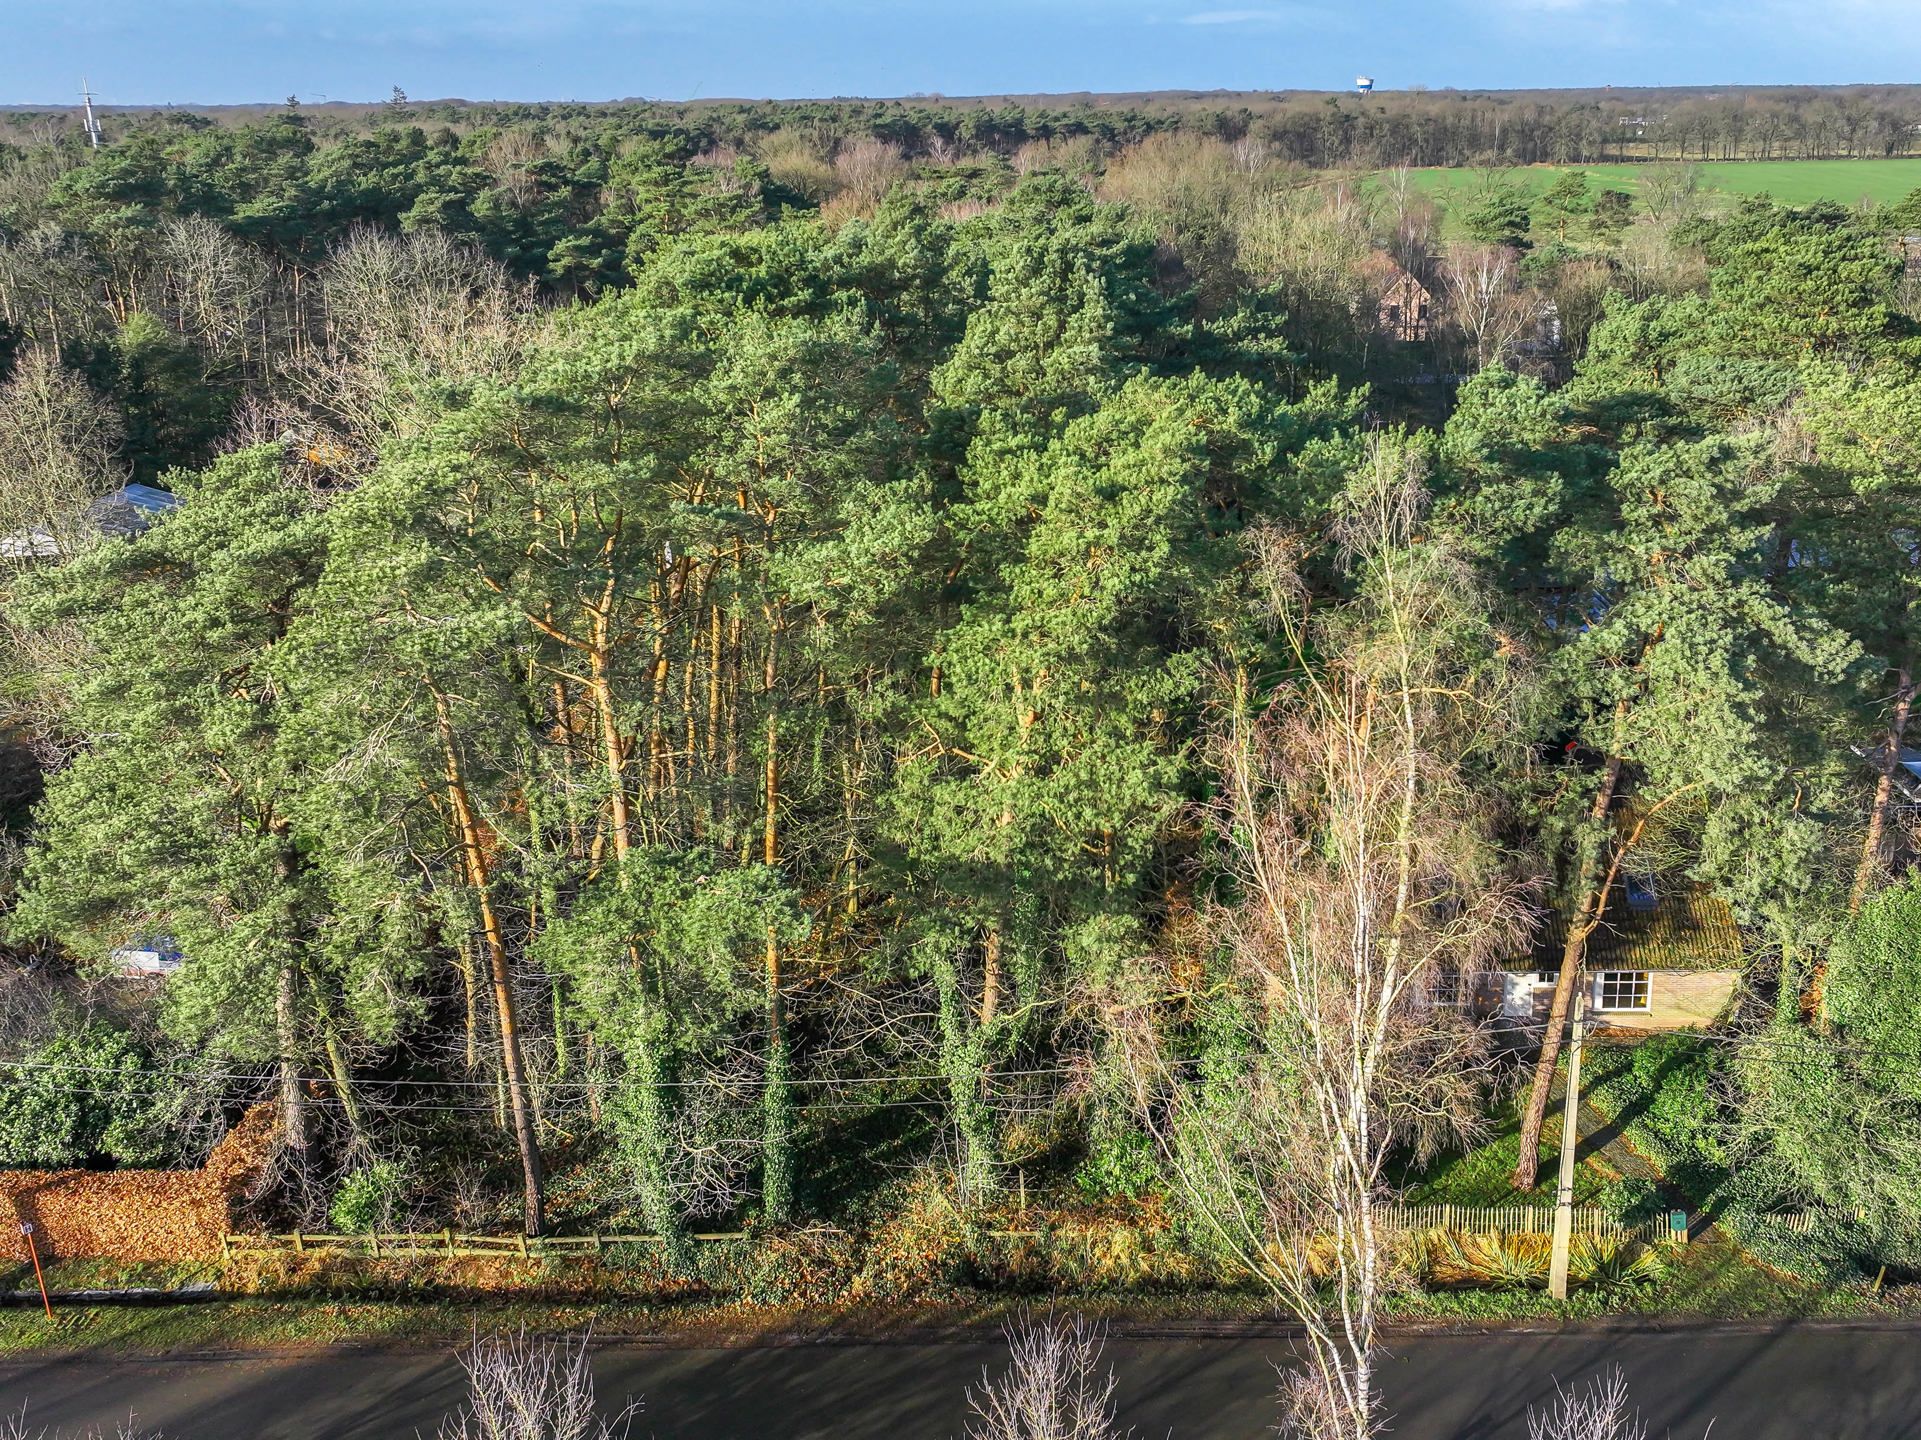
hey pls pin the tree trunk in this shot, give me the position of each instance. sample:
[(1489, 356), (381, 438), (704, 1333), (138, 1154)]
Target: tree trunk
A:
[(293, 1099), (471, 1005), (647, 1103), (964, 1062), (770, 800), (474, 861), (777, 1135), (613, 752), (344, 1087), (777, 1157), (991, 976), (1870, 863), (1591, 886)]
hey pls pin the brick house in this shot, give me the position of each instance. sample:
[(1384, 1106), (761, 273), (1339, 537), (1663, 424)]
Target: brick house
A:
[(1404, 309)]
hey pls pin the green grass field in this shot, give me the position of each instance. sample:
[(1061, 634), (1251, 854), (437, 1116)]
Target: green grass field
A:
[(1793, 182)]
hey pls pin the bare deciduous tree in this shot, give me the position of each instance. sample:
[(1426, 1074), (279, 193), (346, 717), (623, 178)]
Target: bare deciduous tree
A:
[(867, 169), (1365, 883), (1649, 262), (1670, 192), (14, 1427), (526, 1388), (1485, 300), (59, 448), (511, 159), (1313, 245), (1596, 1411), (52, 288), (1054, 1387), (405, 316), (215, 287)]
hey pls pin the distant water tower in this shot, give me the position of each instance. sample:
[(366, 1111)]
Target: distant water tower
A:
[(1364, 84)]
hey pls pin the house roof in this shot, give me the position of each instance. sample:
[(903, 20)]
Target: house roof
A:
[(123, 512), (1688, 928), (130, 509)]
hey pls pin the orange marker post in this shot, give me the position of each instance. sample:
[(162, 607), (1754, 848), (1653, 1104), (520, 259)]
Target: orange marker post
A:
[(38, 1274)]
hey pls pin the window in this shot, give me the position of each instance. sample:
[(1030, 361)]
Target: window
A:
[(1446, 986), (1546, 977), (1622, 990)]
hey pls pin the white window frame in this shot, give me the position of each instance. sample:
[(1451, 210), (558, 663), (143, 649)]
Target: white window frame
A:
[(1637, 982)]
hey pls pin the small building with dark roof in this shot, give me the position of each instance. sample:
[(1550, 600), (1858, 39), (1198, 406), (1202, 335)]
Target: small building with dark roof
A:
[(1667, 955)]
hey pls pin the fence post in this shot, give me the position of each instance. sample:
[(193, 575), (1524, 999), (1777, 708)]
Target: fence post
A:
[(299, 1243), (447, 1239)]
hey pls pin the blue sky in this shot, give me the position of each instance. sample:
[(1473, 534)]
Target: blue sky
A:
[(154, 51)]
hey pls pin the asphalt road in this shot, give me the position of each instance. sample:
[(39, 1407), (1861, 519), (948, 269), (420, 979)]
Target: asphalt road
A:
[(1796, 1383)]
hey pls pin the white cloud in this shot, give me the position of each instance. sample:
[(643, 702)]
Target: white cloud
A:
[(1273, 15)]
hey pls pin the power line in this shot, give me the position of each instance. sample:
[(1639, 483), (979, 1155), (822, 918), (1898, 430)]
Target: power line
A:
[(555, 1084)]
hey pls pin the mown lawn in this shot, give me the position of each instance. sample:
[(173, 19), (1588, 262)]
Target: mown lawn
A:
[(1480, 1175), (1793, 182)]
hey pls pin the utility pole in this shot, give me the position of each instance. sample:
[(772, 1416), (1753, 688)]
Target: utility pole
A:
[(1570, 1137), (90, 122)]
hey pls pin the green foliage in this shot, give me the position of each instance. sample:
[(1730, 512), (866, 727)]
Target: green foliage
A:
[(1837, 1109), (176, 409), (1903, 217), (1612, 212), (87, 1094), (814, 632), (1120, 1160), (1666, 1090), (364, 1200), (1500, 217), (1568, 195)]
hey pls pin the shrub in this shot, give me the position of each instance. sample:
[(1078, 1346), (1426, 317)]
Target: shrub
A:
[(48, 1122), (1120, 1161), (1496, 1259), (1608, 1261), (366, 1198)]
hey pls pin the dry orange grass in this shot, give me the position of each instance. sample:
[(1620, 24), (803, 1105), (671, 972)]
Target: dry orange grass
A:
[(142, 1214)]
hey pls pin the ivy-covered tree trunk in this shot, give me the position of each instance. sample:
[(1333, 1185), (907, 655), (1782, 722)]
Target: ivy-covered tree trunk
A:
[(963, 1060), (777, 1109), (642, 1109)]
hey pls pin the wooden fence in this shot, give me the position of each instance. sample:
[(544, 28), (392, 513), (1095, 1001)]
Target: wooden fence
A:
[(428, 1244), (1518, 1220), (443, 1243), (1803, 1222)]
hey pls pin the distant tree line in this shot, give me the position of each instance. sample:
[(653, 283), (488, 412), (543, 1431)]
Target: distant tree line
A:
[(1315, 129)]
